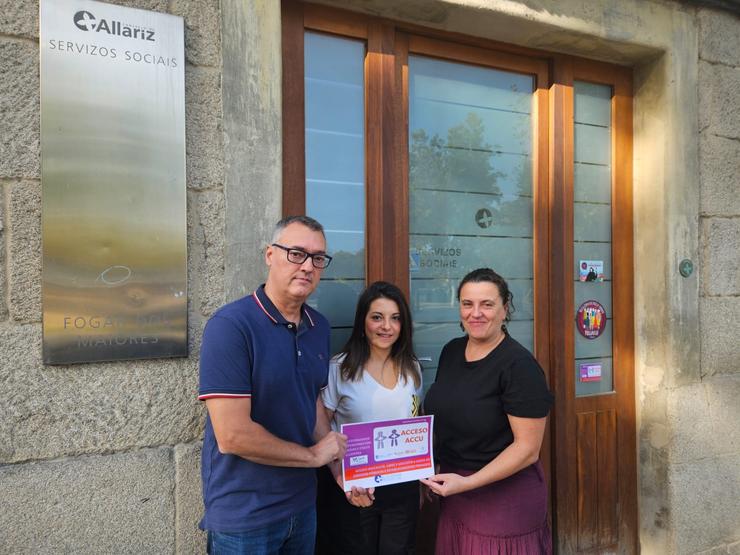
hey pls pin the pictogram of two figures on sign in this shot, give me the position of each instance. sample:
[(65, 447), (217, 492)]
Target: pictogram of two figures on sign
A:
[(380, 438)]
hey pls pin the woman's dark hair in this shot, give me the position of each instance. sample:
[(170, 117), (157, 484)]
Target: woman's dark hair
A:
[(357, 349), (486, 274)]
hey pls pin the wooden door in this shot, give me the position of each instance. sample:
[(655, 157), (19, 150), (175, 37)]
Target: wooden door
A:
[(580, 209), (594, 443)]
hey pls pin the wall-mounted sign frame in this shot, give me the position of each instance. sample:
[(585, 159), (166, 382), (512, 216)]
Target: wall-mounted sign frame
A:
[(113, 181)]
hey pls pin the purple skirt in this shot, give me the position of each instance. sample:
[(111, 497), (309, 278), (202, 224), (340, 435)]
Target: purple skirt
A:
[(508, 517)]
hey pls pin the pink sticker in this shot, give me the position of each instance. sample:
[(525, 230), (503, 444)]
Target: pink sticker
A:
[(590, 372)]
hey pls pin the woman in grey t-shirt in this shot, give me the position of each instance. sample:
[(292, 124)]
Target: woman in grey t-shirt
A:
[(375, 377)]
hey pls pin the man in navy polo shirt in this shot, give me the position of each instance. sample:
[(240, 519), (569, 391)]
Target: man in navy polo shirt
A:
[(264, 360)]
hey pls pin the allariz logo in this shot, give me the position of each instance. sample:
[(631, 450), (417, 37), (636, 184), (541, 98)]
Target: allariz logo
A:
[(85, 21)]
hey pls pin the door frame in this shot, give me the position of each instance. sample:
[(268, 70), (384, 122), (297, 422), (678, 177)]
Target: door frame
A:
[(387, 199), (572, 511)]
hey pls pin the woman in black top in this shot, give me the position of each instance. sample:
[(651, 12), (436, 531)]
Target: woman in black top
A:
[(490, 403)]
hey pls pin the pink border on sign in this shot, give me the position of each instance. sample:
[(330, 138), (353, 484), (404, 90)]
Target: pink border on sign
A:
[(365, 464)]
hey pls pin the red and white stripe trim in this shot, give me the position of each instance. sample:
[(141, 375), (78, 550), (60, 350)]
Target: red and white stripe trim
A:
[(308, 316), (259, 303), (226, 395)]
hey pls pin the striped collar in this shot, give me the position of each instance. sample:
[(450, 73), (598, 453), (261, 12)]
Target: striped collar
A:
[(264, 302)]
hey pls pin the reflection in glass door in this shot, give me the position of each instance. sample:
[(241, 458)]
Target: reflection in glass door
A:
[(470, 194), (335, 171)]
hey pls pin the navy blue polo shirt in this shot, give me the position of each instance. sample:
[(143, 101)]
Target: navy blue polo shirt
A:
[(250, 350)]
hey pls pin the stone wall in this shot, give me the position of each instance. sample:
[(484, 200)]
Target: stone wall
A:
[(104, 457), (705, 465)]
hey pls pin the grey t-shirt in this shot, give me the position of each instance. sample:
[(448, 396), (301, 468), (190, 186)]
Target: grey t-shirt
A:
[(366, 400)]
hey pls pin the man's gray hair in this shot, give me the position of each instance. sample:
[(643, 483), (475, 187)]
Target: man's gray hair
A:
[(309, 222)]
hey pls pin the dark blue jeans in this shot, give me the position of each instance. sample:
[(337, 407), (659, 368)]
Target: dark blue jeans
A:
[(294, 535)]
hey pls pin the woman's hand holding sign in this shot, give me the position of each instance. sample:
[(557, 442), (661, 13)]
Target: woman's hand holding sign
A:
[(447, 484), (359, 497)]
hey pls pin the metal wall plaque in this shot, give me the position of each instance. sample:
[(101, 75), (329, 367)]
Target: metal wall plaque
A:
[(113, 179)]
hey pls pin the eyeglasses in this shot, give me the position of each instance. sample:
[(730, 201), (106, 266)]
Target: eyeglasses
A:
[(298, 256)]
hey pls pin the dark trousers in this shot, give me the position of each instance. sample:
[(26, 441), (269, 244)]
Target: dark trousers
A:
[(388, 527)]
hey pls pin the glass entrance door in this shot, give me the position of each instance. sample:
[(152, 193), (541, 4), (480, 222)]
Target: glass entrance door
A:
[(427, 155), (470, 193)]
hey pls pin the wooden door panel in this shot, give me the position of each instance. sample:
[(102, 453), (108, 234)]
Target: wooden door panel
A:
[(294, 144), (587, 457), (608, 472), (597, 479), (595, 458)]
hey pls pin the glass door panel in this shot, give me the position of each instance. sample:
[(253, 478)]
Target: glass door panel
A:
[(335, 171), (470, 193), (592, 235)]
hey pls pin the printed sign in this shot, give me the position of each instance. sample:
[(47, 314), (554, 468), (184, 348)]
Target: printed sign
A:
[(591, 319), (591, 270), (589, 372), (387, 452)]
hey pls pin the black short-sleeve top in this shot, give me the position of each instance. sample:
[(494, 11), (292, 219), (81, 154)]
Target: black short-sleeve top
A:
[(470, 401)]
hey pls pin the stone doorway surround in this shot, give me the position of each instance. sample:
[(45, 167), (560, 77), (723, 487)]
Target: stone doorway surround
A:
[(660, 40)]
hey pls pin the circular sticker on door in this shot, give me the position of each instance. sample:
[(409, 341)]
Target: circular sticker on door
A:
[(591, 319)]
